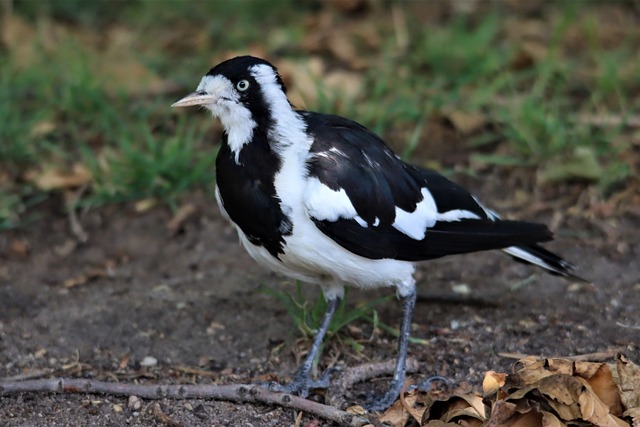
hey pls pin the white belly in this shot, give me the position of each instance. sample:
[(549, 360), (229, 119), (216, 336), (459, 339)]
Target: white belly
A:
[(312, 257)]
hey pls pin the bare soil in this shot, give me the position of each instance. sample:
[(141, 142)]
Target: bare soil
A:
[(191, 300)]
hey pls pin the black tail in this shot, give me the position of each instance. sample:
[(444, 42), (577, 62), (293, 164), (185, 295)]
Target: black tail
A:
[(537, 255)]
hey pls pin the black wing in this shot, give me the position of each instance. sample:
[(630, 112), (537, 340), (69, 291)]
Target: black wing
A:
[(392, 209)]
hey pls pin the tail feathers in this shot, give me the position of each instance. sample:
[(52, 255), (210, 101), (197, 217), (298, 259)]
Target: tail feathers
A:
[(537, 255)]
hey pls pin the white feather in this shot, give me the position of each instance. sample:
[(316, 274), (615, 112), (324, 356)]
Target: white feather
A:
[(456, 215), (325, 204), (492, 215), (235, 117), (526, 256), (414, 224)]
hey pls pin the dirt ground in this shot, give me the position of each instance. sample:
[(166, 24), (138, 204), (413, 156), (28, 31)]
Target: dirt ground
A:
[(191, 300)]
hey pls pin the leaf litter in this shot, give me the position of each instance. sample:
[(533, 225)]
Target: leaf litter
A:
[(552, 392)]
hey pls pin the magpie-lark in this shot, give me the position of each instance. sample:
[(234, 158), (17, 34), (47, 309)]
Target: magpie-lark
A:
[(322, 199)]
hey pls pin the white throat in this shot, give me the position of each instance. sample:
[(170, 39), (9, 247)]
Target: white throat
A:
[(235, 118)]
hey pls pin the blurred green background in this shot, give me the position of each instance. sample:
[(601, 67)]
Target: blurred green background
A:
[(540, 94)]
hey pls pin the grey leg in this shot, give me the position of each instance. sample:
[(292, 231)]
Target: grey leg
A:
[(399, 375), (302, 381)]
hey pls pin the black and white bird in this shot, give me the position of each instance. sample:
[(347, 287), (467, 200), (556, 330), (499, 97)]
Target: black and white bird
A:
[(322, 199)]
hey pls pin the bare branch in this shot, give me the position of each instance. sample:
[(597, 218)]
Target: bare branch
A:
[(242, 393), (359, 374)]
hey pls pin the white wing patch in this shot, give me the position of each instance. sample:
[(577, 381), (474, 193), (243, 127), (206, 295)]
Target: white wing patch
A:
[(456, 215), (325, 204), (414, 224)]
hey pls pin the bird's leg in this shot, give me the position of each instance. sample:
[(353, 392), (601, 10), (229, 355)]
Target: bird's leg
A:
[(399, 374), (302, 381)]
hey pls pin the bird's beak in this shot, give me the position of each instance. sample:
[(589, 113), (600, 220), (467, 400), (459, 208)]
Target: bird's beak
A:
[(195, 99)]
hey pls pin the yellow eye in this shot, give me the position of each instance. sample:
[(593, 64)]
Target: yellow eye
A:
[(242, 85)]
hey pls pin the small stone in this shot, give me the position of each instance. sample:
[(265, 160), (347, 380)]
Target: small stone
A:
[(149, 361), (117, 408), (134, 403), (461, 289)]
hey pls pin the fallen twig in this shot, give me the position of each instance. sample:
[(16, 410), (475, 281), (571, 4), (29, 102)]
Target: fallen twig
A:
[(591, 357), (76, 228), (233, 393), (30, 375), (357, 374), (162, 417), (624, 325)]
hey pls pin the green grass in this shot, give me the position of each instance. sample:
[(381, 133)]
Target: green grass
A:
[(307, 316), (60, 109)]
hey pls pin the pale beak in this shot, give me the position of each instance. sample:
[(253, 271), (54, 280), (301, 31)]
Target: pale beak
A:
[(195, 99)]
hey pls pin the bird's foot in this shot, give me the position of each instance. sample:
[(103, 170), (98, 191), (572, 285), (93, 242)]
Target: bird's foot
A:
[(427, 384), (302, 383), (378, 403)]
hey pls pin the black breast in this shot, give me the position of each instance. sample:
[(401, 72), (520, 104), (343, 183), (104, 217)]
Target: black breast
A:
[(248, 193)]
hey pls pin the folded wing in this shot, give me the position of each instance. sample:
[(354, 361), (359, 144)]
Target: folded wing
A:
[(361, 195)]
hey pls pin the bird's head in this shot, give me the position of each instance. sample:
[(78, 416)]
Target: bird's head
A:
[(239, 91)]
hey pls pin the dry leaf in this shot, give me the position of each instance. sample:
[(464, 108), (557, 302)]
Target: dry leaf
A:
[(42, 128), (345, 82), (342, 45), (396, 415), (56, 179), (466, 123), (182, 214), (560, 366), (19, 248), (600, 378), (565, 386), (144, 205), (492, 382), (528, 371), (303, 78), (467, 407), (628, 374), (409, 401), (90, 275), (356, 410), (521, 414)]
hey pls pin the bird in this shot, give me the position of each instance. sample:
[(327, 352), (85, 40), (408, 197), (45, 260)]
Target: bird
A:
[(322, 199)]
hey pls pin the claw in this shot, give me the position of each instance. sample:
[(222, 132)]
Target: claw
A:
[(302, 383), (426, 384), (379, 404), (376, 404)]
